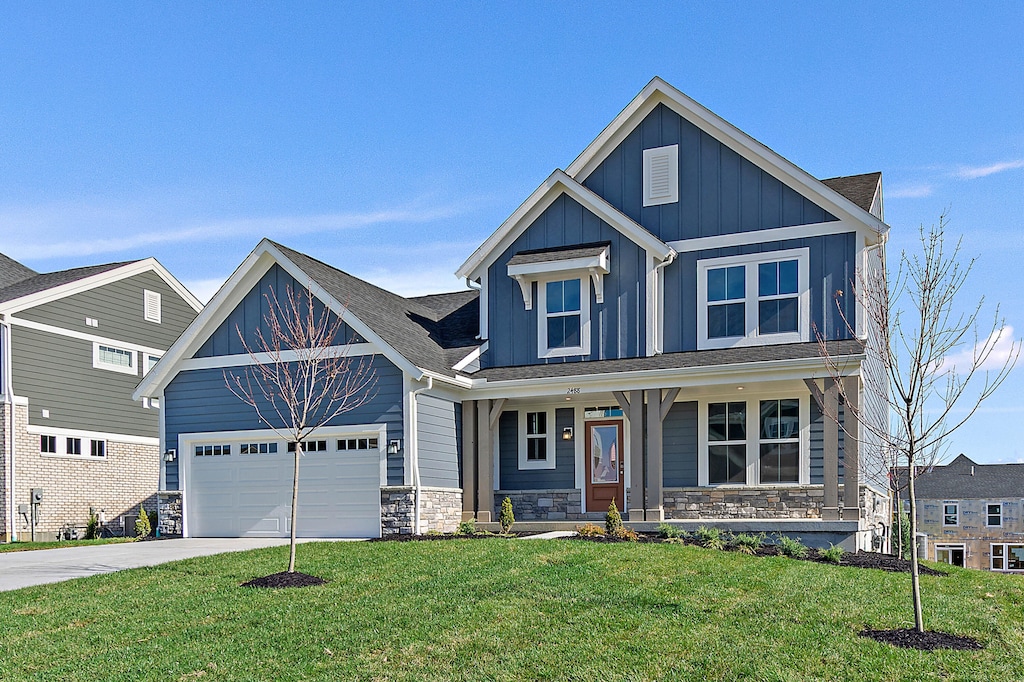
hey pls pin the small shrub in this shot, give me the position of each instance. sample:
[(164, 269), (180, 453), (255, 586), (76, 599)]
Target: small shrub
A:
[(623, 533), (92, 528), (142, 524), (709, 537), (792, 548), (467, 527), (506, 518), (748, 543), (612, 520), (153, 522), (833, 554), (434, 532), (589, 530), (667, 530)]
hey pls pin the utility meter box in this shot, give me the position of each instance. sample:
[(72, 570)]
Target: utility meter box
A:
[(37, 495)]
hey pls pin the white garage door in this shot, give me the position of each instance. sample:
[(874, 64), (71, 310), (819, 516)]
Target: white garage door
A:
[(243, 489)]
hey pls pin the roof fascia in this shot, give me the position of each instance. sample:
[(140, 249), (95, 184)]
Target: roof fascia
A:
[(659, 92), (100, 279), (555, 185)]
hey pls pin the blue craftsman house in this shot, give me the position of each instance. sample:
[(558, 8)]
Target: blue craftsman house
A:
[(645, 328)]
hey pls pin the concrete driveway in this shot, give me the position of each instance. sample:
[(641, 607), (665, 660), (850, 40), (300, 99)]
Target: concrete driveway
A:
[(38, 567)]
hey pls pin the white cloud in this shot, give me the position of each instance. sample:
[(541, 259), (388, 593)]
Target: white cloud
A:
[(910, 191), (1002, 345), (974, 172), (204, 289), (415, 282)]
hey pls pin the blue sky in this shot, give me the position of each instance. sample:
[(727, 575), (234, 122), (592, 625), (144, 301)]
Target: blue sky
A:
[(390, 143)]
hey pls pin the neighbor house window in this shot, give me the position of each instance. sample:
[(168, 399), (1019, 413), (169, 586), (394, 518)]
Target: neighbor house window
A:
[(98, 448), (950, 514), (150, 363), (727, 443), (1007, 557), (536, 440), (116, 359), (779, 454), (994, 515), (151, 305), (754, 299), (73, 446), (48, 444)]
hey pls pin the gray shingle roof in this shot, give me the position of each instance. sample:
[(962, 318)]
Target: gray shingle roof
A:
[(12, 271), (860, 189), (49, 280), (701, 358), (423, 329), (560, 253), (964, 479)]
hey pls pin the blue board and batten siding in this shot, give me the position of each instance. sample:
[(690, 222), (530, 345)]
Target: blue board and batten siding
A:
[(198, 401), (252, 313), (562, 477), (438, 436), (720, 192), (617, 326)]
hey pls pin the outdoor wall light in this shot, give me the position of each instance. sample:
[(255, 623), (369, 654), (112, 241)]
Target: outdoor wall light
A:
[(170, 455), (394, 446), (567, 433)]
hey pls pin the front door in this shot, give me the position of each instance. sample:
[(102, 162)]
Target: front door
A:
[(950, 554), (605, 469)]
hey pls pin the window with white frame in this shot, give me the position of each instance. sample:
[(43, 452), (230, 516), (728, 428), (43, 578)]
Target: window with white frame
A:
[(113, 358), (950, 513), (48, 444), (536, 439), (149, 363), (151, 305), (98, 448), (73, 446), (779, 455), (727, 443), (994, 514), (563, 327), (753, 299), (1007, 557)]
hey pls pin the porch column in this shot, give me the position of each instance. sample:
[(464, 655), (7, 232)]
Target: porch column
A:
[(633, 407), (468, 459), (487, 413), (658, 407), (851, 449), (830, 433)]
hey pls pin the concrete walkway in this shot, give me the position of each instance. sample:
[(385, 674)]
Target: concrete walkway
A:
[(38, 567)]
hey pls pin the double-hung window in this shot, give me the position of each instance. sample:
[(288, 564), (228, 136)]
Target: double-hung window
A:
[(950, 514), (536, 439), (754, 299), (563, 315), (727, 443), (780, 441), (994, 515)]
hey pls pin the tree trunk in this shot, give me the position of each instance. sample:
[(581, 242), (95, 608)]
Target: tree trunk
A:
[(295, 506), (915, 578)]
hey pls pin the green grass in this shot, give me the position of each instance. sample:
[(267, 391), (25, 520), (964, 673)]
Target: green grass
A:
[(505, 610), (20, 546)]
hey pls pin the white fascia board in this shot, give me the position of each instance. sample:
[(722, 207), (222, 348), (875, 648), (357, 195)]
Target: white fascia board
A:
[(556, 184), (685, 377), (776, 234), (598, 262), (98, 280), (659, 92), (471, 357)]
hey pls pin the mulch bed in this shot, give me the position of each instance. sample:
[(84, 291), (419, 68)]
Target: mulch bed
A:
[(405, 537), (909, 638), (285, 579)]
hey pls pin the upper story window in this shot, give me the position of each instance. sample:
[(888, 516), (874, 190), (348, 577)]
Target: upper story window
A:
[(536, 439), (950, 514), (563, 317), (116, 359), (150, 362), (151, 306), (661, 175), (994, 515), (753, 300)]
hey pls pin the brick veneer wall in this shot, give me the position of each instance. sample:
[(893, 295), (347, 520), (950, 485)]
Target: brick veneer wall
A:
[(128, 476), (440, 509)]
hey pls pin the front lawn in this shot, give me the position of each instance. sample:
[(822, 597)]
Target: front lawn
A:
[(505, 610), (20, 546)]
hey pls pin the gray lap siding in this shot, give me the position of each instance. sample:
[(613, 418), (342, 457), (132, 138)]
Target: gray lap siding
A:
[(439, 442), (512, 478), (199, 401)]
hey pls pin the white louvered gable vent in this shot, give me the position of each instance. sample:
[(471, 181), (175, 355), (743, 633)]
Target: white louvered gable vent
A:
[(661, 175), (152, 306)]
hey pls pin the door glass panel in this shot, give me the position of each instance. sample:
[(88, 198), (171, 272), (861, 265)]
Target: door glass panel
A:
[(604, 454)]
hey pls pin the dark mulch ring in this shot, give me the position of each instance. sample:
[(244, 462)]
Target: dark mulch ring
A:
[(884, 562), (285, 579), (406, 537), (909, 638)]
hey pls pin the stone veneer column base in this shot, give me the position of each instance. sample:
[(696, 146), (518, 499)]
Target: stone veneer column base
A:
[(168, 506), (542, 505), (440, 509)]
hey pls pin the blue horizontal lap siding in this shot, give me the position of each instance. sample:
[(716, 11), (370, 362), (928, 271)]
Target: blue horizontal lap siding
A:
[(831, 268), (251, 316), (617, 326), (562, 477), (679, 446), (720, 192), (198, 401), (437, 435)]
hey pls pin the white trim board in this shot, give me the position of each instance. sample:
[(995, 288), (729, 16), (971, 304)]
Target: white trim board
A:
[(92, 338), (37, 430), (242, 360), (776, 234)]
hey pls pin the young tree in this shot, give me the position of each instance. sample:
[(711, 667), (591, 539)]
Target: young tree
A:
[(935, 364), (301, 376)]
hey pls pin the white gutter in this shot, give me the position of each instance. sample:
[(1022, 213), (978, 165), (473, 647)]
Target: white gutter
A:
[(414, 453), (659, 297), (6, 369)]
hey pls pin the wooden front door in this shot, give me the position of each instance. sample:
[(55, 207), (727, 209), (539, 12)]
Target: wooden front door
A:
[(605, 467)]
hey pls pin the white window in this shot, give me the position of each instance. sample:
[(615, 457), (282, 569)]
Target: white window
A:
[(753, 300), (149, 362), (1006, 557), (73, 446), (950, 514), (994, 515), (98, 448), (151, 306), (661, 175), (536, 439), (92, 322), (727, 443), (48, 444), (779, 456), (564, 323), (116, 359)]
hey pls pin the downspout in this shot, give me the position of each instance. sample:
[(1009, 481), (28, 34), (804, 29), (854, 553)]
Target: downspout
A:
[(414, 454), (658, 322), (6, 369)]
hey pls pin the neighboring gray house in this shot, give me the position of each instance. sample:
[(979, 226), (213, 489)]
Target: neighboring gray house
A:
[(74, 344), (643, 329)]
